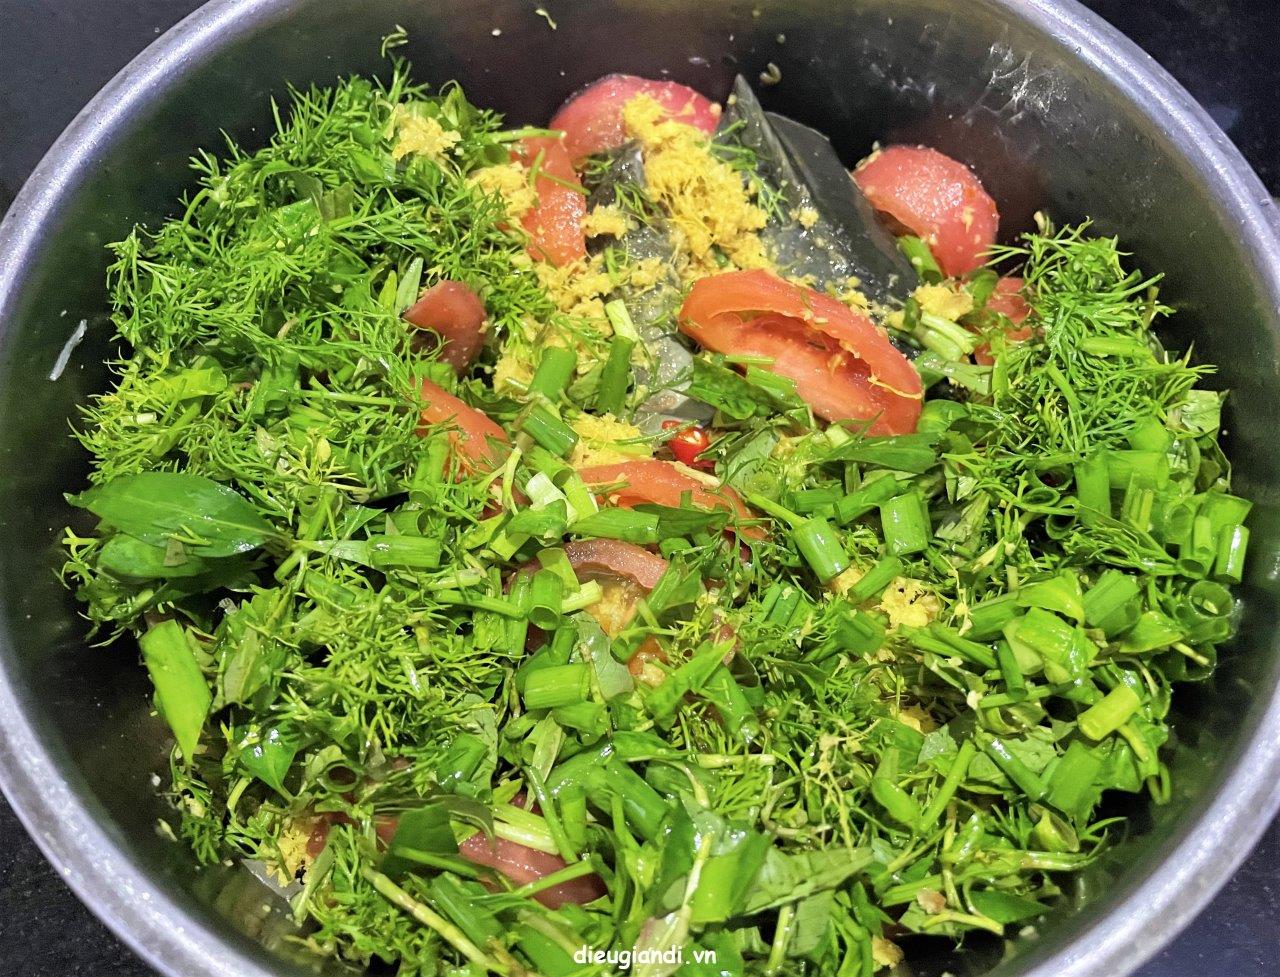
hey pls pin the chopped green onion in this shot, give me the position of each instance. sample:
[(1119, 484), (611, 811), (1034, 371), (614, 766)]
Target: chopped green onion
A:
[(905, 523), (921, 258), (1223, 510), (557, 685), (620, 319), (549, 431), (1113, 604), (518, 626), (1105, 717), (1072, 781), (866, 498), (875, 580), (955, 776), (416, 552), (1197, 552), (1010, 672), (988, 618), (1022, 776), (545, 594), (1233, 542), (555, 370), (1093, 490), (819, 543), (615, 376), (1150, 469), (1150, 434)]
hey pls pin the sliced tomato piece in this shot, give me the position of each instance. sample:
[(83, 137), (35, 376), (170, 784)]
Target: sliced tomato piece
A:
[(523, 865), (935, 197), (475, 433), (449, 315), (1008, 301), (633, 483), (593, 558), (554, 224), (591, 120), (843, 367)]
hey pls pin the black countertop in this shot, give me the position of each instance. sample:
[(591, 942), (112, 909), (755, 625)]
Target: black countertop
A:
[(55, 54)]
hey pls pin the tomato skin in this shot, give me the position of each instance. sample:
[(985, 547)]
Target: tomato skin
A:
[(1008, 301), (935, 197), (597, 558), (688, 443), (475, 429), (663, 483), (455, 315), (522, 865), (843, 367), (591, 119), (554, 225)]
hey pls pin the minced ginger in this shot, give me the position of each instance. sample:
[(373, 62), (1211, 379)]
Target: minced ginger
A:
[(708, 202), (423, 136)]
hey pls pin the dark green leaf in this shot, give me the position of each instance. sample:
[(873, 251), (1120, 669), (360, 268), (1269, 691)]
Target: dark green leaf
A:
[(158, 506)]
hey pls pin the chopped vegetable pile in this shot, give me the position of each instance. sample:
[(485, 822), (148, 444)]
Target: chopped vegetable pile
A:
[(553, 543)]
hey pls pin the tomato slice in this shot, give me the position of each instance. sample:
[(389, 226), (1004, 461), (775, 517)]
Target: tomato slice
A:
[(455, 315), (935, 197), (591, 120), (475, 431), (595, 558), (554, 224), (843, 367), (1008, 301), (522, 865), (663, 483)]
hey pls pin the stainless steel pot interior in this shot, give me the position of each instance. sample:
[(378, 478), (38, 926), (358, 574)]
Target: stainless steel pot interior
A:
[(1052, 108)]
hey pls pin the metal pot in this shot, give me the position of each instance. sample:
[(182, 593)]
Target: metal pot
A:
[(1052, 107)]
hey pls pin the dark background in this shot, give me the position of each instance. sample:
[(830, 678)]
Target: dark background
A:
[(55, 54)]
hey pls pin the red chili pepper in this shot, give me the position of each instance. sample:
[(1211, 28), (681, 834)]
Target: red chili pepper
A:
[(688, 443)]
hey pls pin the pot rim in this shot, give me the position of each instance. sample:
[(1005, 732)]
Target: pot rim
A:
[(1194, 863)]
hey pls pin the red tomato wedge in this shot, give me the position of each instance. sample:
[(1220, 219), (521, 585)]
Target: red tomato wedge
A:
[(522, 865), (663, 483), (474, 432), (935, 197), (595, 558), (455, 315), (591, 120), (1008, 301), (554, 224), (843, 367)]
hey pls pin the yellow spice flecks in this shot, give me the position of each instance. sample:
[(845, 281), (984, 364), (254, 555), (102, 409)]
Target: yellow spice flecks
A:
[(806, 217), (843, 582), (423, 136), (510, 182), (616, 606), (942, 301), (606, 220), (578, 289), (293, 843), (513, 372), (917, 718), (885, 953), (707, 200), (909, 603), (851, 294), (646, 273), (600, 442)]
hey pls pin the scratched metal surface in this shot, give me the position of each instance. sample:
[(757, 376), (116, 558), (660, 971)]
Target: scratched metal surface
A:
[(54, 54)]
